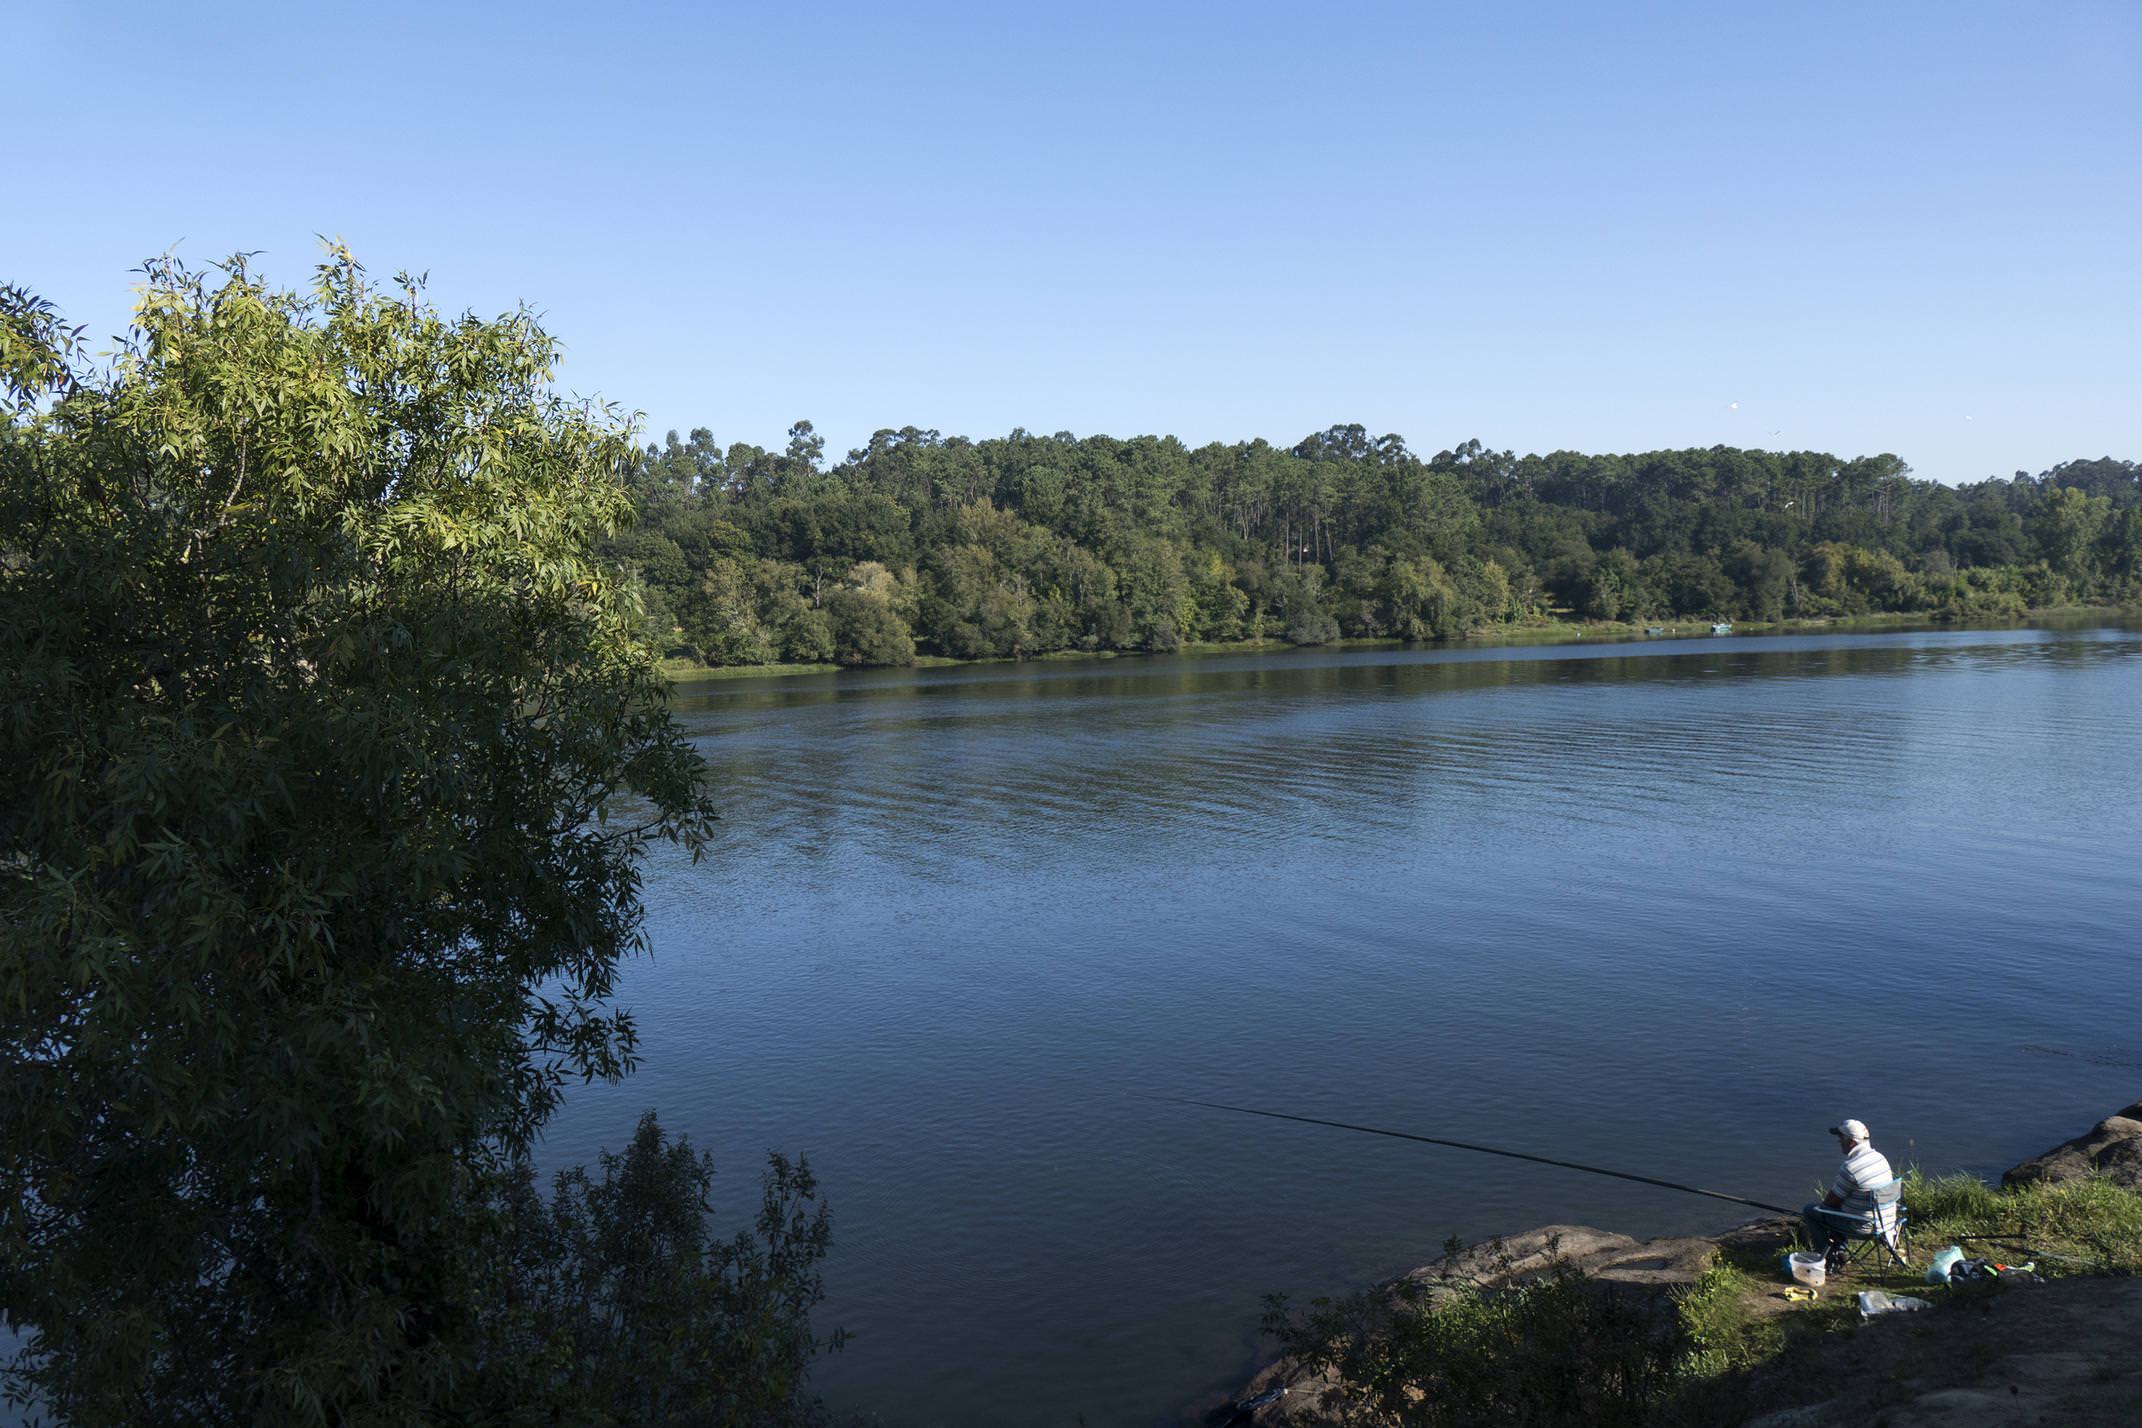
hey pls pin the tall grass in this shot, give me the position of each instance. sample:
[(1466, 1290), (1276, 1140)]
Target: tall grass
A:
[(2074, 1227), (1719, 1327)]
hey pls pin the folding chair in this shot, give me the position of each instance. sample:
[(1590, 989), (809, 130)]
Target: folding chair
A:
[(1871, 1238)]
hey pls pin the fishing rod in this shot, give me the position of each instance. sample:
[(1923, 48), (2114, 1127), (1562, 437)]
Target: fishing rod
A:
[(1481, 1149)]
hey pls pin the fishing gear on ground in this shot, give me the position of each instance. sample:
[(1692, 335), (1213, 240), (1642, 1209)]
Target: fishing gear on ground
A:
[(1953, 1266)]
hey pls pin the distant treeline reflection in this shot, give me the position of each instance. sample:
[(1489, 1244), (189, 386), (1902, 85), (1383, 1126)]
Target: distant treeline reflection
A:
[(1025, 544)]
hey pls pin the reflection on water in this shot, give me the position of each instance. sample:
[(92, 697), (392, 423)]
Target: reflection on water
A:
[(1673, 906)]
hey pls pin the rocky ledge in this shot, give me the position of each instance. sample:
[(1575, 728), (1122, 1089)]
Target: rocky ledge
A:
[(2048, 1359), (2112, 1148)]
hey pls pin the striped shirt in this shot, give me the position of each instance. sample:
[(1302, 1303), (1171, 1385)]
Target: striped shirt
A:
[(1865, 1171)]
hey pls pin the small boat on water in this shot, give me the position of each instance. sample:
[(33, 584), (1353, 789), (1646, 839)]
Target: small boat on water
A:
[(1723, 627)]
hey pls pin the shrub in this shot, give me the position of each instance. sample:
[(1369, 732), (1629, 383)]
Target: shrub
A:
[(1558, 1349)]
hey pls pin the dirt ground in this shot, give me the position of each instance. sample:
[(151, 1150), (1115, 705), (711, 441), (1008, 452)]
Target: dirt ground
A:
[(2066, 1352)]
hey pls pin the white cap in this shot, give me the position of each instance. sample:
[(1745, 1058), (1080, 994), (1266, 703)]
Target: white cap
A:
[(1850, 1130)]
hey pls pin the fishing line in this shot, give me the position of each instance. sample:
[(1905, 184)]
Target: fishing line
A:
[(1481, 1149)]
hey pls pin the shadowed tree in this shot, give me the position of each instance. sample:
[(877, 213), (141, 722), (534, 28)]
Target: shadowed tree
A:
[(332, 750)]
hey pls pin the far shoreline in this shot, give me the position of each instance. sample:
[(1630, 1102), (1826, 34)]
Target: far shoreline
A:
[(685, 670)]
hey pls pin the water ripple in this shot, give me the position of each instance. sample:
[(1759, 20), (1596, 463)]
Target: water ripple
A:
[(959, 923)]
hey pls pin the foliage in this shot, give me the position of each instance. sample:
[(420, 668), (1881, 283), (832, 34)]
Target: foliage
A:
[(37, 351), (332, 749), (1719, 1329), (613, 1304), (866, 624), (1557, 1348), (1024, 544)]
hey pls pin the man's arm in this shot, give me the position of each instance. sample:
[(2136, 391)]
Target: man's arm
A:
[(1841, 1187)]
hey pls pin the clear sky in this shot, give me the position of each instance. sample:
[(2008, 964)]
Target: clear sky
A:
[(1889, 227)]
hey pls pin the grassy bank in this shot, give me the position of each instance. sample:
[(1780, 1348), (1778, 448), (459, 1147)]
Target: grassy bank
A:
[(1561, 1349), (683, 669)]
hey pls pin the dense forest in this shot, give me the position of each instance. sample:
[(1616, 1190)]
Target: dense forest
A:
[(1024, 544)]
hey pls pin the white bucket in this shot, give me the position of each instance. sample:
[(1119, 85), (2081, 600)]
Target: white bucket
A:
[(1809, 1269)]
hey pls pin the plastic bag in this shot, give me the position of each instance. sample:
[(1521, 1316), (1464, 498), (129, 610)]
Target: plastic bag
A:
[(1875, 1301)]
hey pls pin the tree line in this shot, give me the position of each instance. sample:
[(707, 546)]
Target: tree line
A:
[(1025, 544)]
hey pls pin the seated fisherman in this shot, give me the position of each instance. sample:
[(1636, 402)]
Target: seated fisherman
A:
[(1851, 1208)]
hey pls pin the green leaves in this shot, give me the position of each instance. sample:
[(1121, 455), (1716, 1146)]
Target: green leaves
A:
[(37, 352), (617, 1305), (1025, 544), (318, 682)]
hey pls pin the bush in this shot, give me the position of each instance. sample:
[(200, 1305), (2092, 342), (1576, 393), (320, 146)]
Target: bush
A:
[(1311, 626), (1719, 1329), (1559, 1349), (867, 630)]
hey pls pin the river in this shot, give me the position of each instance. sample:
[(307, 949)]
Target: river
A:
[(1671, 906)]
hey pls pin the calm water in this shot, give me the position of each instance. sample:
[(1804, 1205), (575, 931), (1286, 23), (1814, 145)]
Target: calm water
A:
[(1672, 906)]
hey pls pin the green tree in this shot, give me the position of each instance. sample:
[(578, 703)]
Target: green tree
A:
[(669, 476), (1298, 598), (615, 1306), (1823, 575), (1421, 601), (866, 617), (720, 616), (1765, 578), (867, 631), (2121, 545), (1615, 589), (1881, 580), (979, 609), (1693, 585), (1219, 601), (1156, 592), (786, 610), (2067, 525), (332, 749)]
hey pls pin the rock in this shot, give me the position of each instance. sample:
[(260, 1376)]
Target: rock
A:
[(1280, 1394), (1596, 1254), (1813, 1415), (2112, 1148), (1513, 1259)]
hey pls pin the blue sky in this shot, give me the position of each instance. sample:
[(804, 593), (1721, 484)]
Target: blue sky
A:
[(1899, 227)]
